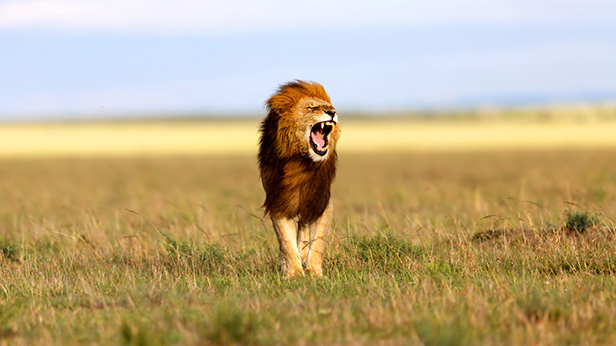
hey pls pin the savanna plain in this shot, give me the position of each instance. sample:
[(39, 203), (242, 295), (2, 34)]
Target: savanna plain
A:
[(466, 230)]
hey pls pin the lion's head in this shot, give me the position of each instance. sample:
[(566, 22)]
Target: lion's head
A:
[(307, 121)]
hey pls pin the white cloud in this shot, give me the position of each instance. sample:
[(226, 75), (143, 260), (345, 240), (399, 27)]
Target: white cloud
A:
[(196, 16)]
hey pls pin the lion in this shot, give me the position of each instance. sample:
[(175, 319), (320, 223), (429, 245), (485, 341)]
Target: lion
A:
[(297, 160)]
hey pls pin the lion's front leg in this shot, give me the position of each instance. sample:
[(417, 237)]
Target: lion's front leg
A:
[(305, 234), (314, 237), (287, 238)]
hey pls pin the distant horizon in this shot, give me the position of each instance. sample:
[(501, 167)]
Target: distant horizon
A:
[(570, 106)]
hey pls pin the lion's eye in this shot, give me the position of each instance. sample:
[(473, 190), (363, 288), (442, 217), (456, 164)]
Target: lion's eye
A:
[(311, 108)]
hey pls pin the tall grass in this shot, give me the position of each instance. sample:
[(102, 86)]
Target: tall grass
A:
[(436, 249)]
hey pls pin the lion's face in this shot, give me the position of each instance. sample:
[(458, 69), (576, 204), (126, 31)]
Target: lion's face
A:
[(316, 128)]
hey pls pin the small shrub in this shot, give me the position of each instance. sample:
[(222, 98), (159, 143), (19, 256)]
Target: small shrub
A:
[(9, 251), (579, 221)]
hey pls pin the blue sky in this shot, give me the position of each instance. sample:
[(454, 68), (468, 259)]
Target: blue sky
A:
[(96, 58)]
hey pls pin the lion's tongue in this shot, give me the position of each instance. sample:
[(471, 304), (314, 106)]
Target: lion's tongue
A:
[(317, 138)]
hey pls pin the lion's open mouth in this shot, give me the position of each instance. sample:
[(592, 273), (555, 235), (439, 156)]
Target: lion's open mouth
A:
[(319, 135)]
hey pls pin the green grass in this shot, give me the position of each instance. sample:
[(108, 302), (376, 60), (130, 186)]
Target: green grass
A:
[(438, 249)]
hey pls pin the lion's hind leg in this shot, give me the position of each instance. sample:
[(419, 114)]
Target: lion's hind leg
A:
[(287, 238)]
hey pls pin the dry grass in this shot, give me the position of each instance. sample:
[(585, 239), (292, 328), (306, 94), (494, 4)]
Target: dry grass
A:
[(428, 248)]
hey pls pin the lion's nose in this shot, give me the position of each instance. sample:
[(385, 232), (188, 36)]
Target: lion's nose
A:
[(331, 112)]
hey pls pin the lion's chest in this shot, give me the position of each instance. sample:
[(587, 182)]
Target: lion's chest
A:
[(309, 190)]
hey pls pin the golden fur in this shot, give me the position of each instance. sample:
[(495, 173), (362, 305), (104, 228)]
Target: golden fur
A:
[(297, 158)]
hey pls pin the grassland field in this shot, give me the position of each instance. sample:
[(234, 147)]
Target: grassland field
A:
[(458, 132), (457, 232)]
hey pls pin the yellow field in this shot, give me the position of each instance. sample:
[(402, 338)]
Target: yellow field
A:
[(240, 137)]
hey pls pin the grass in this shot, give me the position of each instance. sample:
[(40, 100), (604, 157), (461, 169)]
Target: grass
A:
[(434, 248)]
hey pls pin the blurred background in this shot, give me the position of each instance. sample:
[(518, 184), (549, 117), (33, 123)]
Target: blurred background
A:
[(137, 59), (100, 58)]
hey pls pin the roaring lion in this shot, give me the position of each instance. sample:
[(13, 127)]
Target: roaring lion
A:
[(297, 160)]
